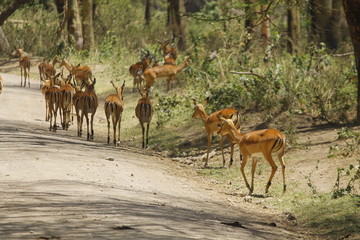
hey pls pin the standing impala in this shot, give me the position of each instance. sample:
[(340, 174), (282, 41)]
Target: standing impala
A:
[(24, 63), (165, 71), (66, 92), (82, 74), (114, 106), (211, 123), (144, 112), (46, 70), (266, 141), (52, 97), (137, 69)]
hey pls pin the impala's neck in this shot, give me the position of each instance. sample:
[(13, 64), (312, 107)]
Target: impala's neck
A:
[(236, 134), (67, 65), (181, 66), (54, 61), (203, 115)]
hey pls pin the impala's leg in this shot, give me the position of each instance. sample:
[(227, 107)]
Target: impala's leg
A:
[(143, 134), (92, 126), (119, 126), (134, 84), (147, 134), (108, 125), (21, 76), (222, 148), (28, 75), (270, 160), (55, 114), (46, 110), (50, 114), (253, 167), (281, 159), (114, 128), (208, 149), (87, 126), (232, 144), (81, 122), (242, 167)]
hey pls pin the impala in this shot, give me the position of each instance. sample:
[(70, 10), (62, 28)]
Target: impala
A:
[(47, 70), (137, 69), (165, 71), (166, 50), (114, 106), (82, 74), (266, 141), (66, 93), (52, 97), (78, 108), (24, 63), (88, 103), (211, 123), (144, 112), (44, 89)]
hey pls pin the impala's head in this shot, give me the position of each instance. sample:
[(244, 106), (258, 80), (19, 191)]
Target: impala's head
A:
[(119, 90), (55, 80), (199, 108), (225, 125), (17, 52)]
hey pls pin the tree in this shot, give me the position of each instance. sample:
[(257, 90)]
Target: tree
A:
[(352, 13), (147, 13), (293, 27), (87, 24), (74, 24), (174, 22)]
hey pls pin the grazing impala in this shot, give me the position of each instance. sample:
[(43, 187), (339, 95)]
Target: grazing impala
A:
[(144, 112), (52, 97), (165, 71), (114, 106), (137, 69), (211, 123), (24, 63), (265, 141), (82, 74), (87, 103)]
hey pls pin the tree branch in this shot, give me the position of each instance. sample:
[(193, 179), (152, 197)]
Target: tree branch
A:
[(11, 9)]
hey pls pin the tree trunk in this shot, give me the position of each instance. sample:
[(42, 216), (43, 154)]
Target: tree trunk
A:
[(4, 43), (11, 9), (87, 24), (265, 26), (293, 28), (333, 27), (319, 15), (74, 24), (249, 24), (352, 12), (147, 13), (174, 22)]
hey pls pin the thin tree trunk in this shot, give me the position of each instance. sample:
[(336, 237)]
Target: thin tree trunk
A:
[(319, 15), (4, 43), (147, 13), (293, 28), (74, 24), (249, 24), (333, 28), (174, 22), (87, 24), (352, 12), (265, 26)]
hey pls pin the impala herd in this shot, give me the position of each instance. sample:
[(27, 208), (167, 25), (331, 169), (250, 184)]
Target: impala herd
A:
[(77, 90)]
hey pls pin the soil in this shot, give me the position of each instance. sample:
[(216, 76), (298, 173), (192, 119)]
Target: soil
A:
[(60, 186)]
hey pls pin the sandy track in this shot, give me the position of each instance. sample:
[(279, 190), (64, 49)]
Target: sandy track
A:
[(59, 186)]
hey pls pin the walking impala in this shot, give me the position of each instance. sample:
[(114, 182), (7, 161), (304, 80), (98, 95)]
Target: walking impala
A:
[(211, 123), (66, 93), (265, 141), (165, 71), (82, 74), (24, 63), (144, 112), (114, 106), (52, 97)]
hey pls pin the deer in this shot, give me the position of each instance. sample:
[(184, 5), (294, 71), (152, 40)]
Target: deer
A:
[(211, 123), (137, 69), (1, 84), (87, 103), (24, 63), (266, 141), (81, 73), (164, 71), (46, 70), (144, 112), (114, 107), (52, 97), (169, 53), (67, 92)]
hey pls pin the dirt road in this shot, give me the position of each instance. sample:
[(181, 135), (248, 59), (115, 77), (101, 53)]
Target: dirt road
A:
[(59, 186)]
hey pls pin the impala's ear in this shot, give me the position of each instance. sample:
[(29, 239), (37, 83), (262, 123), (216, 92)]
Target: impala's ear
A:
[(94, 81), (57, 75), (206, 100), (123, 86), (194, 100)]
